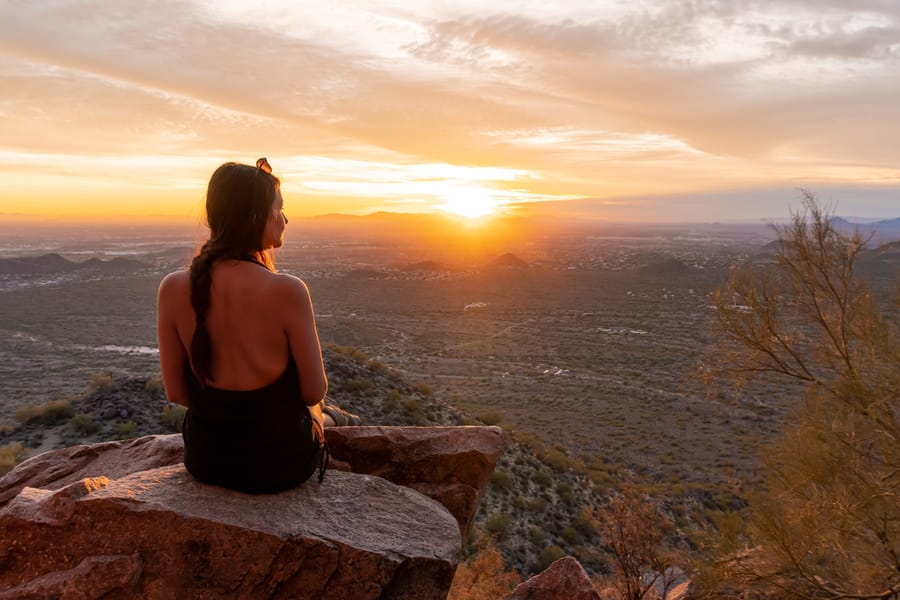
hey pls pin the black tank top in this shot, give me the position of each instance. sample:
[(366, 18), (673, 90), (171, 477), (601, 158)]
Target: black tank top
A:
[(257, 441)]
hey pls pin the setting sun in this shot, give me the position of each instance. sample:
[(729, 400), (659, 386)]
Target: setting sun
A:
[(471, 203)]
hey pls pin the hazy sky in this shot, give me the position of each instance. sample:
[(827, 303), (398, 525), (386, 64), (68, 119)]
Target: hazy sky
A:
[(658, 109)]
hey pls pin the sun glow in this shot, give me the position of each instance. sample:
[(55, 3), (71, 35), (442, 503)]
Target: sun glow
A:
[(470, 202)]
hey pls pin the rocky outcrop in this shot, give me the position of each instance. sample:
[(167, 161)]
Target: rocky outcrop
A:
[(565, 578), (124, 519), (161, 534), (57, 468), (450, 464)]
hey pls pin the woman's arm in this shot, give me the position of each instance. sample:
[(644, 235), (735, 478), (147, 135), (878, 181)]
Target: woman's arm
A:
[(172, 354), (300, 327)]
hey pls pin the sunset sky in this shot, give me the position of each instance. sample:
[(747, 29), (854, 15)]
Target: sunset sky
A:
[(650, 110)]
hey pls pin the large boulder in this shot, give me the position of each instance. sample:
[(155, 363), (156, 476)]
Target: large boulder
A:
[(159, 533), (124, 519), (565, 578), (453, 465), (57, 468), (450, 464)]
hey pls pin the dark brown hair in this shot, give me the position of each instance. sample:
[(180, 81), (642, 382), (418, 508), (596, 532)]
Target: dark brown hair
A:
[(239, 202)]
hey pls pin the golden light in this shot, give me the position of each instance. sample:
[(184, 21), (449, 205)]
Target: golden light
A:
[(470, 202)]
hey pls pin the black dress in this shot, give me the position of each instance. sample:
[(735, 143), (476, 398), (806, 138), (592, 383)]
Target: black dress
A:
[(258, 441)]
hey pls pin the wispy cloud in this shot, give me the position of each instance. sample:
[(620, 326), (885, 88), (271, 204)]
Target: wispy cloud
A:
[(595, 98)]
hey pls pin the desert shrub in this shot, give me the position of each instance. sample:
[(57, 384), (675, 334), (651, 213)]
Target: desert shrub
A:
[(154, 385), (172, 417), (50, 413), (542, 478), (537, 504), (125, 430), (502, 480), (10, 456), (569, 534), (498, 523), (827, 520), (347, 352), (549, 555), (635, 533), (414, 411), (564, 490), (424, 389), (392, 401), (379, 367), (537, 535), (559, 460), (490, 418), (6, 428), (99, 382), (85, 424), (358, 385), (484, 577)]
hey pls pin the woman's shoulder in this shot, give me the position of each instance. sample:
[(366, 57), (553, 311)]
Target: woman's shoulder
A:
[(290, 285), (175, 280)]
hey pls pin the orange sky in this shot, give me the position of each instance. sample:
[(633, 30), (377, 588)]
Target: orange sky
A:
[(652, 111)]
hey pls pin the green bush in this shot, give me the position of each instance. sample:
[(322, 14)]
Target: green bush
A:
[(537, 504), (126, 430), (569, 534), (413, 409), (498, 523), (172, 417), (392, 401), (10, 456), (549, 555), (85, 424), (542, 478), (50, 413), (566, 495), (537, 535), (501, 480)]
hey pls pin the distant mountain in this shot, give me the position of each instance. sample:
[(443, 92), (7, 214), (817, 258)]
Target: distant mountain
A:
[(54, 263), (885, 230), (509, 261), (35, 265)]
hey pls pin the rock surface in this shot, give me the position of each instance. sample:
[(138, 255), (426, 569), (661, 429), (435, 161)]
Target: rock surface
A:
[(161, 534), (450, 464), (124, 519), (57, 468), (565, 578)]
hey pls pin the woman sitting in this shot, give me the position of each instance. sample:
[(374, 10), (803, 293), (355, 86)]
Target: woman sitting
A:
[(238, 346)]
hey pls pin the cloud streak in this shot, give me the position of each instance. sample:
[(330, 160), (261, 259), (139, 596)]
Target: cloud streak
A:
[(589, 99)]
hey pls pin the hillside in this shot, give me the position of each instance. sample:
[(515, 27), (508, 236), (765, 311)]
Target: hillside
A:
[(531, 504), (54, 263)]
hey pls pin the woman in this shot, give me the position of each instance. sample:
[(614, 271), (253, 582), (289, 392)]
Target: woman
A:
[(238, 345)]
